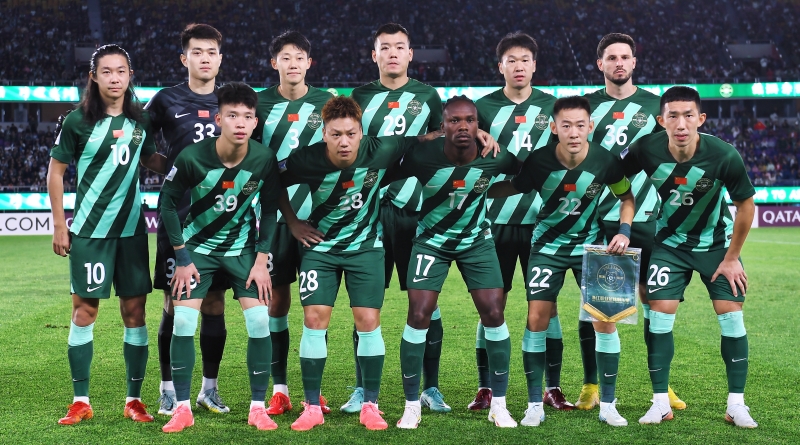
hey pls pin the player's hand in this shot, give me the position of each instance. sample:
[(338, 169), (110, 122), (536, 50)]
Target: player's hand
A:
[(259, 275), (61, 242), (734, 272), (305, 233), (489, 144), (184, 280), (618, 244)]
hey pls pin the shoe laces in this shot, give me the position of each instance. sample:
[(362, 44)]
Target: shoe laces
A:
[(660, 406), (369, 406), (138, 406), (436, 395), (166, 398), (75, 408), (213, 394)]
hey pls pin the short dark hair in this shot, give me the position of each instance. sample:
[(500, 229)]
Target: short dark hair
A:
[(615, 37), (341, 107), (572, 103), (294, 38), (514, 40), (681, 94), (390, 28), (455, 99), (200, 31), (236, 93)]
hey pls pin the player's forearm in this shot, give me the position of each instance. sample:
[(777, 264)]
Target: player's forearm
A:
[(745, 212), (172, 224), (285, 206), (55, 190), (155, 162), (430, 136), (627, 208)]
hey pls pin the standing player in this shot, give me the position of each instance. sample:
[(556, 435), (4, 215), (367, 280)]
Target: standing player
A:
[(398, 105), (185, 115), (695, 232), (517, 116), (452, 227), (223, 174), (622, 113), (107, 136), (289, 116), (569, 175)]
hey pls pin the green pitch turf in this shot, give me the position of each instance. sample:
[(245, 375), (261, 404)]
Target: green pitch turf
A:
[(35, 386)]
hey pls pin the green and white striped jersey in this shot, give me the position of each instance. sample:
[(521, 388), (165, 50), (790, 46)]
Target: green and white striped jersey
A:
[(222, 219), (285, 125), (411, 110), (617, 124), (568, 217), (453, 214), (108, 203), (694, 215), (521, 128), (345, 202)]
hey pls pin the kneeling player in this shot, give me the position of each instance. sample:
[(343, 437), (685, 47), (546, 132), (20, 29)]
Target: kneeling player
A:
[(569, 176), (695, 233), (223, 174)]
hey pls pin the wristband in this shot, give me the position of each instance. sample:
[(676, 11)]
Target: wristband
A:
[(182, 258), (625, 229)]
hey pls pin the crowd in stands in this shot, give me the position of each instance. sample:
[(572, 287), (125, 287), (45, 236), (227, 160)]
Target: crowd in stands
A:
[(676, 40)]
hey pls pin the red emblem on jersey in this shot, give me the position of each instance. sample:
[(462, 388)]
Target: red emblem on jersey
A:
[(203, 113), (227, 185), (459, 184), (294, 117), (348, 184), (618, 115), (118, 133), (394, 104), (570, 187), (520, 119), (680, 181)]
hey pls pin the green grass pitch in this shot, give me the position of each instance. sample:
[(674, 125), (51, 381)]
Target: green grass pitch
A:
[(35, 384)]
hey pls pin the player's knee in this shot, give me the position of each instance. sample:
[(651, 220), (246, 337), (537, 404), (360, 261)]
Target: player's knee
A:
[(256, 320), (732, 324), (132, 312), (185, 323), (493, 317), (661, 323), (418, 317)]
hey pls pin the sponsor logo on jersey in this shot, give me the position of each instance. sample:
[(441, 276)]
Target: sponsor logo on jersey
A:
[(639, 120), (370, 179), (680, 181), (618, 115), (314, 121), (282, 165), (481, 185), (171, 173), (118, 133), (227, 185), (520, 119), (293, 117), (249, 187), (541, 121), (414, 107), (203, 113), (593, 189), (570, 187), (704, 184), (136, 139), (348, 184), (610, 277), (459, 183), (394, 104)]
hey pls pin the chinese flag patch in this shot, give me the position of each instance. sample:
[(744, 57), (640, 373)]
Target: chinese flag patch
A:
[(118, 133), (618, 115), (520, 119), (680, 181), (394, 104), (570, 187), (348, 184), (227, 185), (203, 113), (459, 183), (294, 117)]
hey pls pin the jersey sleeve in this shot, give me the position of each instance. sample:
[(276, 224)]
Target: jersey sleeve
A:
[(156, 110), (435, 121), (524, 182), (734, 176), (66, 146), (175, 185), (268, 198), (149, 144), (291, 168), (616, 179), (178, 179), (629, 156)]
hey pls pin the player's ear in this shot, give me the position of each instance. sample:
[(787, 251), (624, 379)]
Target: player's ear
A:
[(591, 125), (308, 63), (218, 119), (534, 67), (184, 62), (701, 119), (600, 64), (634, 64), (553, 127), (274, 64), (410, 54), (660, 120), (374, 56)]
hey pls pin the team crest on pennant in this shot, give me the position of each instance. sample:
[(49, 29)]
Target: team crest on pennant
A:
[(414, 107), (481, 185), (639, 120), (610, 277), (370, 179), (541, 121), (704, 184), (249, 187), (593, 189), (136, 139), (314, 121)]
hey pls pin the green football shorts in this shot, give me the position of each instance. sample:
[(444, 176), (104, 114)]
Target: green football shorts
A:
[(236, 268), (94, 263), (512, 242), (321, 276), (670, 271), (546, 273), (285, 255), (478, 265)]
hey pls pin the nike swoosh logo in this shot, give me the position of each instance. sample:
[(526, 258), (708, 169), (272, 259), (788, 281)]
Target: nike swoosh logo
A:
[(92, 289), (176, 369), (78, 380), (369, 110), (417, 281), (658, 179), (500, 373), (554, 364), (96, 139), (537, 291), (270, 122), (303, 298), (528, 372), (137, 380), (203, 187), (178, 116), (259, 372), (655, 370), (434, 342), (612, 375), (650, 291), (548, 188), (323, 190), (409, 376), (274, 362), (733, 360), (497, 123), (587, 339)]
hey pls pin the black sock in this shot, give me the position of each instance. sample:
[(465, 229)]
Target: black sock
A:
[(212, 343), (164, 340)]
